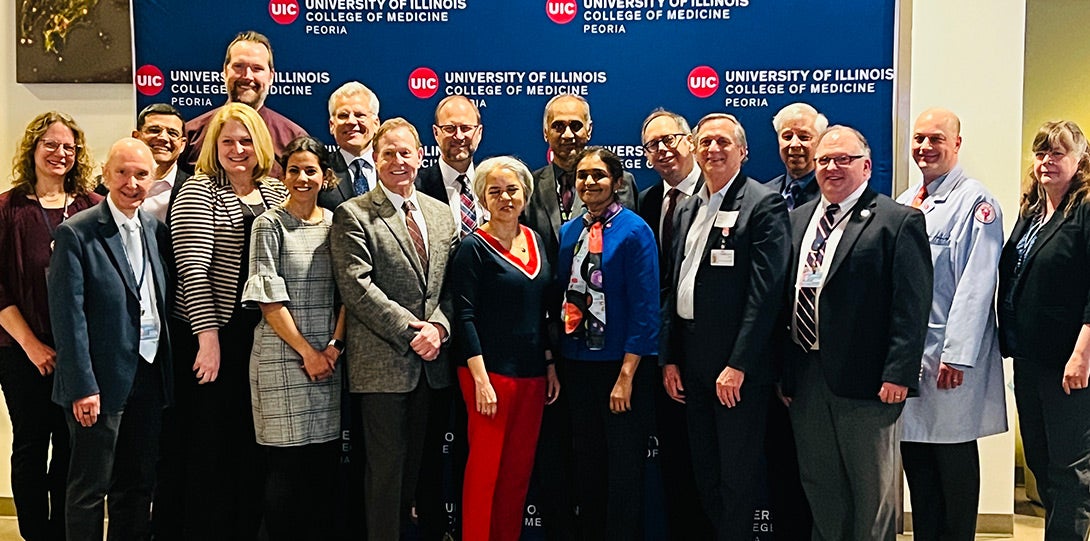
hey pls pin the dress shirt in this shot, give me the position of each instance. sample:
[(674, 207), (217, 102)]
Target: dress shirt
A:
[(368, 172), (840, 221), (695, 240), (687, 186), (454, 192), (399, 203), (158, 198), (133, 240)]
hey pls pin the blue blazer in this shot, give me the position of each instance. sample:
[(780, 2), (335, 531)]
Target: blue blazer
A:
[(95, 308)]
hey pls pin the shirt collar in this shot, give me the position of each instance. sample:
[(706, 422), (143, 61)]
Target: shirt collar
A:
[(119, 217), (450, 174), (171, 175), (687, 185), (397, 200), (849, 201), (803, 181), (707, 197), (366, 155)]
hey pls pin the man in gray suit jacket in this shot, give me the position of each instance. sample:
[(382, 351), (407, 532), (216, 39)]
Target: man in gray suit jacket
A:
[(390, 253)]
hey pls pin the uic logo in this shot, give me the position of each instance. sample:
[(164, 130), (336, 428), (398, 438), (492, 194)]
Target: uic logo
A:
[(284, 11), (149, 80), (561, 11), (423, 83), (703, 81)]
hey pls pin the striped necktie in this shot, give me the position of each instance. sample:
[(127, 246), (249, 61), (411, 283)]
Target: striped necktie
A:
[(805, 305), (469, 213), (417, 236)]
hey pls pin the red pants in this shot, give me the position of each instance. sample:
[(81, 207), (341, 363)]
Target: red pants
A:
[(501, 456)]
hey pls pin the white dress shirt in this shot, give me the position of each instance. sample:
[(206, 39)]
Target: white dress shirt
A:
[(158, 198), (368, 172), (695, 240), (454, 192), (133, 242), (687, 186), (840, 221)]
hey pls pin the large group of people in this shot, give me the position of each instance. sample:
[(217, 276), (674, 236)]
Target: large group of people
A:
[(184, 346)]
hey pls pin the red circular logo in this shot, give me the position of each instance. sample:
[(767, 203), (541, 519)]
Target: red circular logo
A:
[(149, 80), (423, 83), (703, 81), (561, 11), (284, 11)]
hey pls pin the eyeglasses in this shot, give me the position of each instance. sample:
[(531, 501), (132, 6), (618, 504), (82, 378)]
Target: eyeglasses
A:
[(464, 129), (670, 140), (561, 126), (840, 161), (52, 146), (156, 131)]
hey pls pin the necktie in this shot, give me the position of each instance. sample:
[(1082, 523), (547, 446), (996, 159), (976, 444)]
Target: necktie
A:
[(359, 180), (920, 196), (791, 194), (469, 214), (134, 251), (805, 308), (567, 195), (414, 232), (666, 238)]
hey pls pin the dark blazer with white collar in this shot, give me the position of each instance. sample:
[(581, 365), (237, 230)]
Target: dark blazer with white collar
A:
[(650, 204), (429, 181), (1051, 296), (874, 303), (94, 307), (734, 307)]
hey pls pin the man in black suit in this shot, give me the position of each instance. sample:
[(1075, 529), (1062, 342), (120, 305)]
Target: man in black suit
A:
[(353, 120), (458, 132), (162, 128), (108, 306), (858, 301), (730, 258), (567, 127), (797, 128), (668, 146)]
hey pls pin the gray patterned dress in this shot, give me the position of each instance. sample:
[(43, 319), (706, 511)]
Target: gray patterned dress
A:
[(291, 263)]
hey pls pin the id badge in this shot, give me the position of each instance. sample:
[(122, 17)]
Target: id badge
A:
[(726, 218), (810, 277), (149, 329), (722, 258)]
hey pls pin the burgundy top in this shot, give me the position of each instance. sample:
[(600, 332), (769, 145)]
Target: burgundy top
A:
[(25, 242)]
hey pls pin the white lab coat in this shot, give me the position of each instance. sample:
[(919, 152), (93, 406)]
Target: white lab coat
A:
[(965, 228)]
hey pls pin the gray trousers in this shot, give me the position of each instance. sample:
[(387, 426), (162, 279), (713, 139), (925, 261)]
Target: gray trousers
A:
[(847, 459)]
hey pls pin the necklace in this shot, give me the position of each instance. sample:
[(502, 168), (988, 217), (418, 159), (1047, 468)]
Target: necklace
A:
[(45, 217), (308, 221)]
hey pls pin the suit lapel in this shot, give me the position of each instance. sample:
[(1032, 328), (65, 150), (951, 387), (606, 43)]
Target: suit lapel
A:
[(684, 217), (552, 202), (397, 227), (1047, 232), (732, 201), (800, 221), (111, 237), (438, 244), (856, 223)]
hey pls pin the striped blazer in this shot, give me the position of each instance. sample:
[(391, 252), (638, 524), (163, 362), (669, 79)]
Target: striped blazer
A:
[(206, 227)]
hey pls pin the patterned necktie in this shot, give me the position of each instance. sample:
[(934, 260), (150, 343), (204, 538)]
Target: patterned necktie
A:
[(359, 180), (920, 196), (791, 194), (469, 213), (666, 237), (567, 195), (414, 232), (805, 305)]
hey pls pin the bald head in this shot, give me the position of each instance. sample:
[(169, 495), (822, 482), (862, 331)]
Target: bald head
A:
[(129, 174), (936, 140)]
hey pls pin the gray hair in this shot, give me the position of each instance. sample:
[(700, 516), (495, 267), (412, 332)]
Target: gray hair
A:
[(353, 88), (798, 109), (510, 163), (545, 115)]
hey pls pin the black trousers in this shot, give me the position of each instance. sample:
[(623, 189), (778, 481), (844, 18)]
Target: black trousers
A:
[(116, 458), (685, 517), (610, 449), (727, 444), (447, 422), (394, 426), (553, 467), (791, 518), (223, 467), (1056, 439), (944, 479), (300, 490), (37, 479)]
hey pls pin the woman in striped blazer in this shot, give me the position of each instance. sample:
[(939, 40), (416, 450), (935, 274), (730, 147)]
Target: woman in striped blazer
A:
[(210, 227)]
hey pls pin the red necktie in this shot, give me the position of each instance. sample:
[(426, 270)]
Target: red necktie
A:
[(418, 238), (920, 196)]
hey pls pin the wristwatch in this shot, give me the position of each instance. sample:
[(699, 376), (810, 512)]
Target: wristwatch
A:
[(338, 344)]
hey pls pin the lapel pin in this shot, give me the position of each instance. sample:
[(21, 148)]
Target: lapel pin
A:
[(865, 213)]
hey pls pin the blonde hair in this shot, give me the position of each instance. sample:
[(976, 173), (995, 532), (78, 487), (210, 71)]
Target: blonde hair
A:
[(80, 178), (1057, 134), (391, 125), (208, 162)]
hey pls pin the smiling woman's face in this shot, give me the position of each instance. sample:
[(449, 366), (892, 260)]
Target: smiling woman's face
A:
[(593, 183)]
